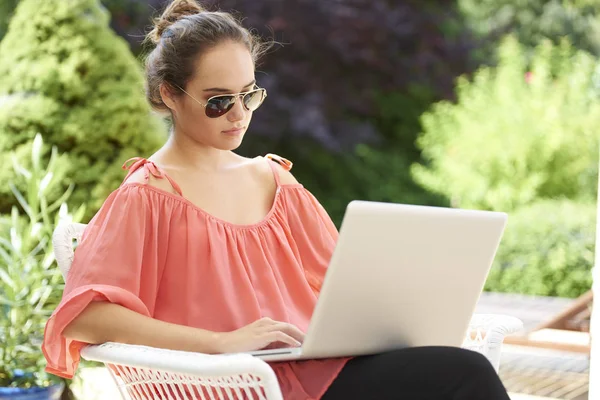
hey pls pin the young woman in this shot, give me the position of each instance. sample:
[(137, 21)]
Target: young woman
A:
[(203, 250)]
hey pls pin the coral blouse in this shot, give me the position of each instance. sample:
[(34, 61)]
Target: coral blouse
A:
[(158, 254)]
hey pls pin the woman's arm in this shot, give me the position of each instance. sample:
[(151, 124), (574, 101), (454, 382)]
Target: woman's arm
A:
[(102, 322)]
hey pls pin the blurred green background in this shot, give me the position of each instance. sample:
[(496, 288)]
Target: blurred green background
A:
[(485, 104)]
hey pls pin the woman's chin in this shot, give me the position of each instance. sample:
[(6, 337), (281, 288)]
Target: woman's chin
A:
[(231, 142)]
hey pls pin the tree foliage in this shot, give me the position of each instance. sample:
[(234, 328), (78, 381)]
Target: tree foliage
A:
[(516, 134), (547, 250), (66, 75)]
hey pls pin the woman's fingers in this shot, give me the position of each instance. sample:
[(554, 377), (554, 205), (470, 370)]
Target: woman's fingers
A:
[(277, 331), (278, 336), (269, 325), (291, 330)]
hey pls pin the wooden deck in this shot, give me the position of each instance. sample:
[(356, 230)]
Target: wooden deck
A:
[(532, 310), (548, 374), (543, 369)]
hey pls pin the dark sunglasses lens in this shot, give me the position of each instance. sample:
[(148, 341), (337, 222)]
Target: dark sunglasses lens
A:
[(254, 99), (218, 106)]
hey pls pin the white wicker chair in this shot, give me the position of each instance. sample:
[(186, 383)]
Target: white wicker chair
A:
[(143, 373)]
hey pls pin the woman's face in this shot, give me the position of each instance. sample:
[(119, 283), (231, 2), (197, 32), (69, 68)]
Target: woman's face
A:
[(226, 69)]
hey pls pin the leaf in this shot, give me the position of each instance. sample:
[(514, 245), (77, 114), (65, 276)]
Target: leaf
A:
[(45, 294), (27, 326), (45, 182), (48, 260), (21, 199), (63, 212), (38, 248), (44, 213), (54, 206), (8, 281), (23, 294), (20, 169), (4, 242), (13, 315), (14, 215), (5, 256), (15, 240), (36, 295), (36, 151), (78, 215), (35, 230), (52, 163)]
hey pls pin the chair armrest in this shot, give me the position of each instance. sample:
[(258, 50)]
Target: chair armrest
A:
[(487, 332), (224, 375)]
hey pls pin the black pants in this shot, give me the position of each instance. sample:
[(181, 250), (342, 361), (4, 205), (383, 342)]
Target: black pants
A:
[(422, 373)]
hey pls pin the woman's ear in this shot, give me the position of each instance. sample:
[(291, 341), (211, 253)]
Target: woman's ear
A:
[(167, 96)]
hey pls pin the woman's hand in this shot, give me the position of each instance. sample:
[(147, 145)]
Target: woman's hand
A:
[(258, 335)]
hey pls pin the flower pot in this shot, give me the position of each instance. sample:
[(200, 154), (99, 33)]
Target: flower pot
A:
[(35, 393)]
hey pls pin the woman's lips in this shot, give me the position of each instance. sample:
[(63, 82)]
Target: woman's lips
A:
[(234, 131)]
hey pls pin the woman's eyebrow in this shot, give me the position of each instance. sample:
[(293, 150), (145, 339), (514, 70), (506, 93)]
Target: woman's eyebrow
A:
[(222, 90)]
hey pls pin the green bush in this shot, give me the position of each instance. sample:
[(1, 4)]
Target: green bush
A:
[(547, 250), (536, 20), (509, 139), (66, 75), (30, 282), (6, 10)]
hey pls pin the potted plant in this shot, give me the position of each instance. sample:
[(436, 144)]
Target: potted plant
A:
[(30, 282)]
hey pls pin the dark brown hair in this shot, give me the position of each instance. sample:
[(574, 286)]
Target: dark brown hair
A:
[(184, 31)]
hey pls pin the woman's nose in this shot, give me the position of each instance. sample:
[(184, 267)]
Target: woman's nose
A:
[(238, 112)]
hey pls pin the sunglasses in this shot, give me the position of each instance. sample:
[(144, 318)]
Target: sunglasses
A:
[(219, 105)]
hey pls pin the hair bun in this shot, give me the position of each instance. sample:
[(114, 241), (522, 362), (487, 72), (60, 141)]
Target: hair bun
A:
[(174, 12)]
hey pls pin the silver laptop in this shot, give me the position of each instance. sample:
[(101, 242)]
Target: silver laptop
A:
[(400, 276)]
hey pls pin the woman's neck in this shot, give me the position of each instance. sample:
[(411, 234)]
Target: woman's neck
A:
[(182, 151)]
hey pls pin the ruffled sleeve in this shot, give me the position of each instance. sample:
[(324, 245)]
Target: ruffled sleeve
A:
[(118, 260), (314, 233)]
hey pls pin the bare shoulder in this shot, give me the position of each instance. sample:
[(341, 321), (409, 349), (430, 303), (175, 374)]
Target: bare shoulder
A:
[(282, 167), (141, 176)]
